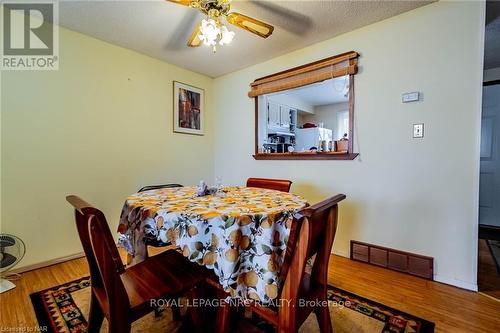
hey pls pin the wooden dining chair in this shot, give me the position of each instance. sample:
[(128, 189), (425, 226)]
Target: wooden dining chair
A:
[(312, 234), (282, 185), (124, 295), (148, 241)]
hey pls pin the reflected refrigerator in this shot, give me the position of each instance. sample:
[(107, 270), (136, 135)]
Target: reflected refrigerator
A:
[(306, 138)]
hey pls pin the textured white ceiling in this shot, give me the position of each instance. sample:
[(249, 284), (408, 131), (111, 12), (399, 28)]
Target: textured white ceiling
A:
[(160, 29)]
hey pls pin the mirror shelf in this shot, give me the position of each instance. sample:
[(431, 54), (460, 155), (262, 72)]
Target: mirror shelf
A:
[(306, 156)]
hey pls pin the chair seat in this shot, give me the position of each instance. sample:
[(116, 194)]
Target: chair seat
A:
[(167, 274), (270, 312)]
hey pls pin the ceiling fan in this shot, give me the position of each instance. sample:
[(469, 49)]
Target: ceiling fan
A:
[(212, 30)]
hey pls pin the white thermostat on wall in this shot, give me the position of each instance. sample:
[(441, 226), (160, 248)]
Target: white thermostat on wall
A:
[(410, 97)]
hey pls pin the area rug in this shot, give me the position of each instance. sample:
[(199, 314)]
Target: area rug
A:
[(64, 309)]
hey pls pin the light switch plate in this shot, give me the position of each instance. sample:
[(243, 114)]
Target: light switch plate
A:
[(410, 97), (418, 131)]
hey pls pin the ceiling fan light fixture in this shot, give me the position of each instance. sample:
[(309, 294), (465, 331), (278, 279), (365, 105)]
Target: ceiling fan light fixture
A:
[(226, 35), (212, 32), (209, 32)]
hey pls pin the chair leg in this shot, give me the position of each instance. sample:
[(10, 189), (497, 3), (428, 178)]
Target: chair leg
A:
[(158, 311), (195, 313), (236, 314), (323, 316), (255, 318), (96, 316), (176, 312), (119, 326), (222, 316)]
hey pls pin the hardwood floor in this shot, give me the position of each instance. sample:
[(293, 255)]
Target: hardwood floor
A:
[(488, 278), (453, 310)]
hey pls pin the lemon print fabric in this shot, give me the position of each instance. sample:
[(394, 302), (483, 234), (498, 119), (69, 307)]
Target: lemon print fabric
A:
[(240, 234)]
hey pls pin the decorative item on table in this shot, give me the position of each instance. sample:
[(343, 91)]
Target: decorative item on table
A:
[(291, 149), (219, 187), (202, 189), (313, 149), (212, 191)]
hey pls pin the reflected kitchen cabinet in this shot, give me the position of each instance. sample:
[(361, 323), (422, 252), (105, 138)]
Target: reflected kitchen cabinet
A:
[(277, 133), (273, 114), (285, 116), (279, 116)]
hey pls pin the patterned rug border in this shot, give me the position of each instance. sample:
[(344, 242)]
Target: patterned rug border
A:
[(427, 326), (43, 318), (40, 308)]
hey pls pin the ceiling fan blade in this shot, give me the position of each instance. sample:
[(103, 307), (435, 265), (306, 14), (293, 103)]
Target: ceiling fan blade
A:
[(257, 27), (181, 2), (194, 41)]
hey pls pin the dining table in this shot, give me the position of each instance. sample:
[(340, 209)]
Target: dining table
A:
[(240, 233)]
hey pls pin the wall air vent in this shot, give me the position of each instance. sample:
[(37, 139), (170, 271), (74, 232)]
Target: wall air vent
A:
[(400, 261)]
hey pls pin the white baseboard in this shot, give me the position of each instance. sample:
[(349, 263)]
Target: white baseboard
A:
[(437, 278), (48, 263), (456, 283), (341, 253)]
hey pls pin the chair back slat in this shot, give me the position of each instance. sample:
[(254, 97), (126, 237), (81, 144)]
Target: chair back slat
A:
[(282, 185), (110, 265), (321, 227), (104, 261), (82, 212)]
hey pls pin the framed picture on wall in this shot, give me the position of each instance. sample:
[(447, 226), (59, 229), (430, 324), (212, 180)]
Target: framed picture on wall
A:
[(189, 109)]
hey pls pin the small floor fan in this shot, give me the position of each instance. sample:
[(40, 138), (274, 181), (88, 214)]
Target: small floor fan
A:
[(12, 250)]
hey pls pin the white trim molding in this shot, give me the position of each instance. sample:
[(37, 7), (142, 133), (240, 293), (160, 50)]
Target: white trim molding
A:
[(48, 263), (456, 283)]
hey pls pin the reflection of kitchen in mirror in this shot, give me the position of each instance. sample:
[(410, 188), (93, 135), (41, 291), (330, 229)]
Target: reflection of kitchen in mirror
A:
[(308, 119)]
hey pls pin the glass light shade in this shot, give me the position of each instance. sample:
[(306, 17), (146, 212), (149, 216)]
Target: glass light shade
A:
[(226, 36), (209, 32)]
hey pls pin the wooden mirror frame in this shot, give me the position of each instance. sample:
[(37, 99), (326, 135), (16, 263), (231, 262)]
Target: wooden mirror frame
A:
[(343, 155)]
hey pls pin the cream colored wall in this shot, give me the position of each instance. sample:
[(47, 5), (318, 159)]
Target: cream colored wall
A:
[(100, 127), (415, 195)]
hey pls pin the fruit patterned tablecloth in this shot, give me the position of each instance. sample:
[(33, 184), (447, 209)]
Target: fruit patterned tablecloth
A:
[(241, 234)]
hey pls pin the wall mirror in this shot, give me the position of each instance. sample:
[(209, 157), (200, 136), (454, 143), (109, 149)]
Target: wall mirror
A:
[(306, 112)]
